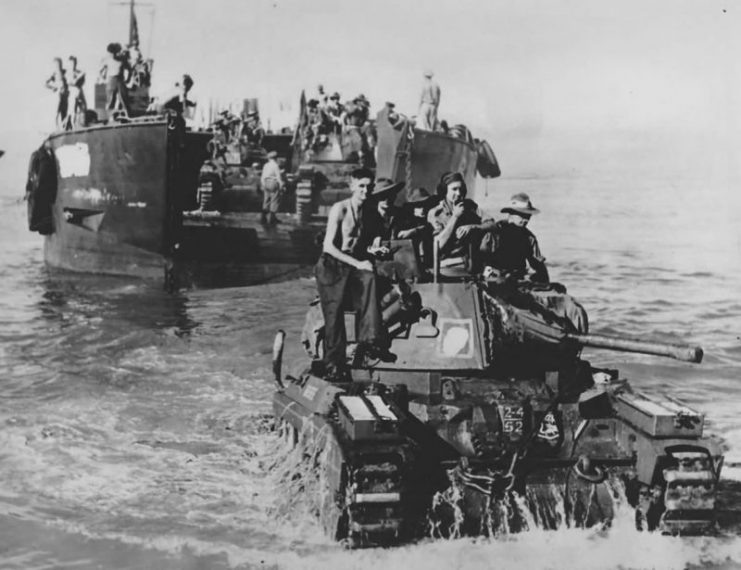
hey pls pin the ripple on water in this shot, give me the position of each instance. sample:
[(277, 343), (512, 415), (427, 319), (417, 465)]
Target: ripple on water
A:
[(131, 418)]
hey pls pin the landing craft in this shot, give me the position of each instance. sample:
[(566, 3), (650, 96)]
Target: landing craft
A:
[(142, 194), (490, 421)]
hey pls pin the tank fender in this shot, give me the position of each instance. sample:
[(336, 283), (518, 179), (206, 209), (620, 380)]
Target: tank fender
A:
[(313, 393)]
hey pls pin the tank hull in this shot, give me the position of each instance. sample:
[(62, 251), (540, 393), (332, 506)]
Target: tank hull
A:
[(500, 427), (438, 489)]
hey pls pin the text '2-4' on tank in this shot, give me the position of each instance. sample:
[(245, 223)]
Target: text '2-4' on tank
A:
[(131, 186), (488, 420)]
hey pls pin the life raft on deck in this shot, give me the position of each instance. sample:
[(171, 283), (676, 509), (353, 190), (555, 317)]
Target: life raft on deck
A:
[(41, 190), (486, 162)]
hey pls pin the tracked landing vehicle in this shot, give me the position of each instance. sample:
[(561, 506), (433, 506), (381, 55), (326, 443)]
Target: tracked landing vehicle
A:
[(489, 420)]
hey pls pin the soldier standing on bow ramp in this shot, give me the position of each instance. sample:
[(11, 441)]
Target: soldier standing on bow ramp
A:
[(429, 101), (271, 181)]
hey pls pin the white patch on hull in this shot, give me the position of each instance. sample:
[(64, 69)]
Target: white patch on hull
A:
[(73, 159), (92, 196)]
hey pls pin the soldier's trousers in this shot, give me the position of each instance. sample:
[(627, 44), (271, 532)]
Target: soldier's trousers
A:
[(270, 196), (427, 117), (339, 284)]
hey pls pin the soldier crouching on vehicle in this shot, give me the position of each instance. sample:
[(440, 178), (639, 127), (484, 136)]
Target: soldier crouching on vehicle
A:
[(456, 221), (506, 252), (509, 246), (381, 213), (345, 273), (416, 227)]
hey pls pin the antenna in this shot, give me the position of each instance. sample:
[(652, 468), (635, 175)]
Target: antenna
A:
[(133, 25), (151, 32)]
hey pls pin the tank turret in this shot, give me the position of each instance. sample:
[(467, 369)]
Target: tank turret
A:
[(489, 420)]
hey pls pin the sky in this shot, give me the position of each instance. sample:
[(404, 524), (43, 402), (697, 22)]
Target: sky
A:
[(546, 81)]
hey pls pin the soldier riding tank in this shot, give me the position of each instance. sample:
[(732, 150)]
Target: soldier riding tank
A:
[(490, 421)]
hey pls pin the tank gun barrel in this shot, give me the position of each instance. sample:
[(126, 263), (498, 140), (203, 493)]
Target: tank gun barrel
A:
[(679, 351)]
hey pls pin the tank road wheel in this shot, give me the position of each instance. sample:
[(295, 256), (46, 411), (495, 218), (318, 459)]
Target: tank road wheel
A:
[(304, 197)]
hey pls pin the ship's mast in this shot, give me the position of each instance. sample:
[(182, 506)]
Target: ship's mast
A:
[(133, 25)]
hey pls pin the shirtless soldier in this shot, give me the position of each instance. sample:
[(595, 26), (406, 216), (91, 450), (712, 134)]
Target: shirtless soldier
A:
[(345, 269)]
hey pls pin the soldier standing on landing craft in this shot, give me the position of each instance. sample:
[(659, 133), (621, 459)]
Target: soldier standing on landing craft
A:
[(58, 83), (345, 270), (429, 101), (76, 80), (115, 72), (271, 182)]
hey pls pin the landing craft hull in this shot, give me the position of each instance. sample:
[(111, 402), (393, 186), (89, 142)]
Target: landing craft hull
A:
[(419, 158), (127, 202), (111, 200), (122, 191)]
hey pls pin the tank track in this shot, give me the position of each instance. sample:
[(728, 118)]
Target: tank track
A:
[(304, 193), (689, 495), (372, 504), (682, 500)]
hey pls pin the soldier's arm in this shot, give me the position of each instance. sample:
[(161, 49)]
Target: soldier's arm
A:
[(537, 262), (483, 225), (442, 232), (487, 222)]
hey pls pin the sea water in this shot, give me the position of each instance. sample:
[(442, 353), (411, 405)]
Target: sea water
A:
[(133, 429)]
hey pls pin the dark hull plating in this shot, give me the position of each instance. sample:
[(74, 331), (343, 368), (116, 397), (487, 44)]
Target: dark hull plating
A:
[(127, 203), (110, 211), (121, 194)]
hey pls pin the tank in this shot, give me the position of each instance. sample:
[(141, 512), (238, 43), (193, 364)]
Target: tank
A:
[(490, 420)]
